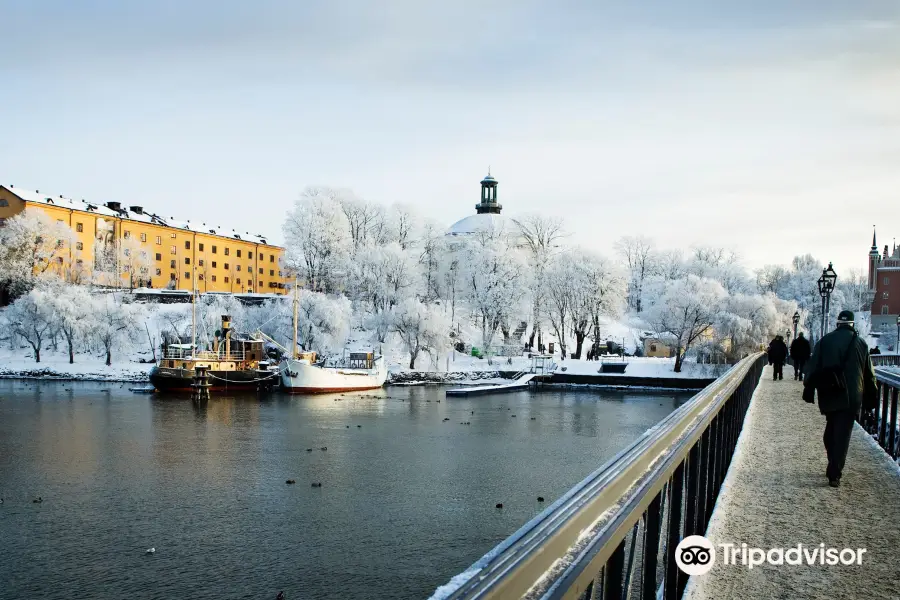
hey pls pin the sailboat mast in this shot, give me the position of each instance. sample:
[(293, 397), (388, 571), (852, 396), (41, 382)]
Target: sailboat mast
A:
[(194, 313), (296, 313)]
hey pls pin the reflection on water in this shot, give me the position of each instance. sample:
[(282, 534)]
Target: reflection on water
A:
[(407, 497)]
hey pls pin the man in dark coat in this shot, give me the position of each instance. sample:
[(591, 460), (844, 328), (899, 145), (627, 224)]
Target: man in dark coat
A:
[(777, 355), (844, 350), (800, 352)]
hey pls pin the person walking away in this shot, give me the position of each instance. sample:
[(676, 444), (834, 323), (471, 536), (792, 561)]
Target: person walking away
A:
[(777, 355), (840, 373), (800, 352)]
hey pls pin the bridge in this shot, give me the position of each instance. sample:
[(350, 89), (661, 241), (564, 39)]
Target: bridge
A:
[(741, 463)]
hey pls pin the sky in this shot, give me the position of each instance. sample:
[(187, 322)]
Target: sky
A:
[(770, 127)]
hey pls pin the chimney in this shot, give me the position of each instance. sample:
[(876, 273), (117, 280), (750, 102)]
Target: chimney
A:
[(138, 210), (114, 205)]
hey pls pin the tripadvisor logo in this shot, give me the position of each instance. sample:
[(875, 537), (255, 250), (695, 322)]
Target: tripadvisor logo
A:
[(696, 555)]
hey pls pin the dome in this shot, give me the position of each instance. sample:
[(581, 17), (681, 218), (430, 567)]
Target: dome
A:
[(479, 223)]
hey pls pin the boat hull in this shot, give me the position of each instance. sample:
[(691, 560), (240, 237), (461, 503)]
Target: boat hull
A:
[(181, 380), (300, 377)]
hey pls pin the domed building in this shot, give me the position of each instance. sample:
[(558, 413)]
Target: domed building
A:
[(487, 217)]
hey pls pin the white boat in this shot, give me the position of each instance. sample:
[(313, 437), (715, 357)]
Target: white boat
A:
[(363, 371), (301, 375)]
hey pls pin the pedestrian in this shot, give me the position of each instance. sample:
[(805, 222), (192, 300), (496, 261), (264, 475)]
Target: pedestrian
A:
[(840, 373), (800, 352), (777, 355)]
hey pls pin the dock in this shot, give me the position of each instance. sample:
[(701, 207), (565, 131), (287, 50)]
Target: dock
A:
[(518, 384)]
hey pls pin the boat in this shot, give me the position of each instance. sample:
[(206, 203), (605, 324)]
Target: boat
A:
[(236, 361), (302, 374)]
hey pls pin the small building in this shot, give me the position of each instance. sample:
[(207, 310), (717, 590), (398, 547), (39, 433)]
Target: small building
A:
[(660, 346)]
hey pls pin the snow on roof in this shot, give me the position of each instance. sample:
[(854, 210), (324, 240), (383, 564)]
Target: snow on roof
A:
[(126, 212), (478, 223)]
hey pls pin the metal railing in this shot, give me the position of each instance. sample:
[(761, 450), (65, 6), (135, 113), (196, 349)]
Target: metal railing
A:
[(886, 360), (203, 355), (614, 534), (882, 422)]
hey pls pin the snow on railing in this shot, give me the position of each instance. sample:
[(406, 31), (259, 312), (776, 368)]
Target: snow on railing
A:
[(882, 422)]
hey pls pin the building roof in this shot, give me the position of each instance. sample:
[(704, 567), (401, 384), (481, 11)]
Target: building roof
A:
[(126, 213), (479, 223)]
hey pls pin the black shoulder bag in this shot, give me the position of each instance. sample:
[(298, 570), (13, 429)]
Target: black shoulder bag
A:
[(831, 382)]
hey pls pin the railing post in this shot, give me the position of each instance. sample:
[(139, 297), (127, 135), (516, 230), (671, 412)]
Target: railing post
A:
[(650, 548), (892, 436), (703, 483), (612, 573), (883, 401), (690, 507), (672, 589)]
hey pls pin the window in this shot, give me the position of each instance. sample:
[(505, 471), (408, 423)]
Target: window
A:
[(187, 245), (279, 274), (884, 296), (260, 270), (143, 237), (238, 267), (79, 246), (272, 258), (200, 262), (237, 281), (158, 272), (887, 280), (187, 260), (884, 309), (79, 262), (126, 235), (173, 236), (652, 347), (172, 264), (158, 240), (172, 276), (214, 264), (172, 250), (239, 253), (271, 272), (200, 277), (201, 247), (227, 251), (249, 255), (79, 227), (127, 252), (158, 256), (262, 284), (214, 249), (187, 275), (226, 280), (3, 202), (226, 266)]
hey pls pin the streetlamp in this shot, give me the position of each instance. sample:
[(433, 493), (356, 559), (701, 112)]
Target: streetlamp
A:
[(795, 320), (826, 287)]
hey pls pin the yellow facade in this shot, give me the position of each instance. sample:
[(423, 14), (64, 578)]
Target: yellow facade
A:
[(175, 252)]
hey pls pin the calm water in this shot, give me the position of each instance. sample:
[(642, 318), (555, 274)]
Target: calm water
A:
[(407, 500)]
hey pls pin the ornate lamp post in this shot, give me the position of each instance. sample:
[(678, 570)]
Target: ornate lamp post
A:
[(795, 320), (826, 287)]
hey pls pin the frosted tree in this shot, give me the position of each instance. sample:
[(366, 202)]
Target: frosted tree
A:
[(599, 289), (33, 247), (432, 252), (496, 280), (323, 321), (32, 318), (639, 256), (113, 323), (421, 328), (558, 280), (382, 277), (317, 238), (366, 221), (687, 308), (749, 321), (541, 237), (404, 225), (71, 306), (772, 279), (134, 261), (722, 265)]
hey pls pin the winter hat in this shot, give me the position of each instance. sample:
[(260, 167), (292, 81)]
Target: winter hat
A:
[(846, 316)]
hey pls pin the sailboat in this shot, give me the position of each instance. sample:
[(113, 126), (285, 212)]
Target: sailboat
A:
[(301, 374)]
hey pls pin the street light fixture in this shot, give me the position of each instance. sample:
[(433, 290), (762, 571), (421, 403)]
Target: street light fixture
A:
[(826, 287), (795, 320)]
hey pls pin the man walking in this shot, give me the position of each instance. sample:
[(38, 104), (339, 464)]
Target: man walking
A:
[(840, 372), (800, 352), (777, 354)]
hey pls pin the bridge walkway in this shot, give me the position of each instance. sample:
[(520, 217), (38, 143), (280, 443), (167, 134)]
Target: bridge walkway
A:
[(776, 496)]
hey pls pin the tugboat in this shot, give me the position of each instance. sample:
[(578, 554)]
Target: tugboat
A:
[(301, 374), (236, 362)]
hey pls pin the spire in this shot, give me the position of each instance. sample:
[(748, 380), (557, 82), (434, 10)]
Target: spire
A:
[(874, 244)]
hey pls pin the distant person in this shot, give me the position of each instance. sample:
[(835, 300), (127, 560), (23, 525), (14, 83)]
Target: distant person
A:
[(777, 355), (800, 352), (840, 372), (875, 350)]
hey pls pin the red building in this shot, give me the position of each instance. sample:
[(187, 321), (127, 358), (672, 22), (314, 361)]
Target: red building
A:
[(884, 287)]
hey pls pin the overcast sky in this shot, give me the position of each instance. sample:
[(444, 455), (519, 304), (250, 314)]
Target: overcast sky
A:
[(772, 126)]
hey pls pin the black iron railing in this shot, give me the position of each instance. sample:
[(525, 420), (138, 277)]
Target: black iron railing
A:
[(614, 534), (886, 360), (882, 422)]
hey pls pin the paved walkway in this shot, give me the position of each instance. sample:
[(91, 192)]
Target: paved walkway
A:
[(776, 496)]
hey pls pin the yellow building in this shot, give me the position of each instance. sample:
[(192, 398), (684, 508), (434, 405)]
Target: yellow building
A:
[(224, 261)]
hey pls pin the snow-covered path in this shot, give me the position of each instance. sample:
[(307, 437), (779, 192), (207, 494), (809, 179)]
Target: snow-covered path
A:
[(776, 496)]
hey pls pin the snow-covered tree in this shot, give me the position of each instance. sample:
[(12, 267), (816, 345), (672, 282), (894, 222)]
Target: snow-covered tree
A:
[(496, 280), (71, 305), (33, 247), (323, 321), (640, 256), (382, 277), (772, 278), (720, 264), (432, 251), (599, 289), (367, 222), (32, 318), (558, 280), (134, 261), (317, 238), (687, 308), (404, 225), (113, 323), (422, 328), (541, 238)]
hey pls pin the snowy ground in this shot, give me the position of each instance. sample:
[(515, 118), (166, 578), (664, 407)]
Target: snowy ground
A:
[(56, 365), (645, 367)]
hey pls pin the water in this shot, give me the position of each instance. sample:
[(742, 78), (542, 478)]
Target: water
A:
[(407, 500)]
